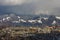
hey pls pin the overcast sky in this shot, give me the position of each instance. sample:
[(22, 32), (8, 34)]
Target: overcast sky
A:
[(38, 6)]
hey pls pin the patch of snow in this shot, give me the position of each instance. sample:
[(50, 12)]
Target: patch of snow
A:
[(31, 21), (4, 19), (8, 18), (18, 16), (45, 18), (15, 22), (57, 17), (22, 20), (54, 22), (39, 21)]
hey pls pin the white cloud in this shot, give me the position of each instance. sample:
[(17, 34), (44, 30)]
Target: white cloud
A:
[(12, 2), (35, 6), (39, 2)]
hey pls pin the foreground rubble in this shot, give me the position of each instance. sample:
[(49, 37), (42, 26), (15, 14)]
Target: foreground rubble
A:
[(30, 33)]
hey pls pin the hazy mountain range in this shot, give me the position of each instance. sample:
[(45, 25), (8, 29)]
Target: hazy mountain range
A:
[(22, 9), (27, 10), (29, 20)]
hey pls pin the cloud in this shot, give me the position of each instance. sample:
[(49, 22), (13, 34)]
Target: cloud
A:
[(34, 6), (13, 2), (36, 2)]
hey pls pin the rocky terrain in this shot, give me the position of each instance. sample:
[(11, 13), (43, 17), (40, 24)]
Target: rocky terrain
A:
[(30, 33)]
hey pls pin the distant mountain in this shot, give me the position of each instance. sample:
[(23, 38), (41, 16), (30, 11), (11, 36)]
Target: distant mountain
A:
[(18, 9), (16, 20)]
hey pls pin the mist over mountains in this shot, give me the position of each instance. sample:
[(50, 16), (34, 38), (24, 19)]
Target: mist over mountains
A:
[(23, 9), (26, 10), (33, 7)]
